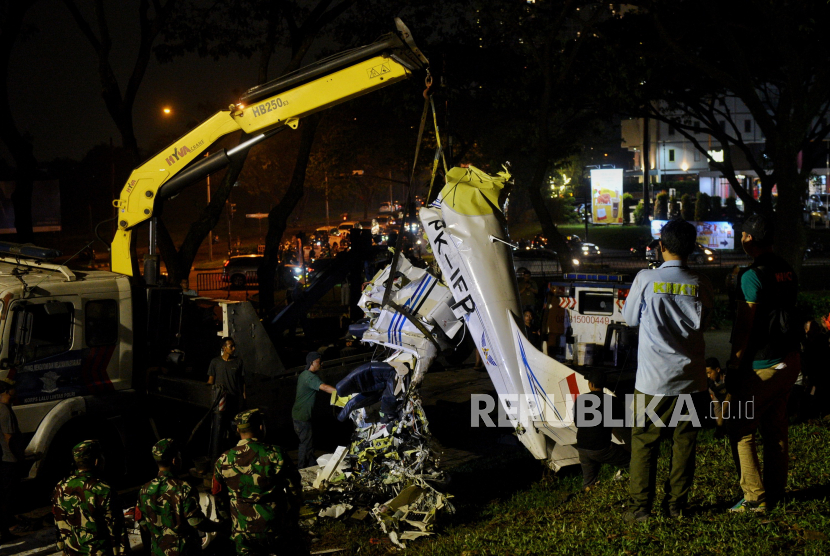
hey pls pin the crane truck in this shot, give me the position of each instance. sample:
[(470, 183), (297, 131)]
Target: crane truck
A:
[(80, 344)]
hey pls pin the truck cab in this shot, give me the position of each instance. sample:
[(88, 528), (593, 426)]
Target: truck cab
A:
[(597, 333), (86, 347), (65, 333)]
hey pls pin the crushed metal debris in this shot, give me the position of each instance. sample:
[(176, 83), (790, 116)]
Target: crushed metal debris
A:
[(389, 472)]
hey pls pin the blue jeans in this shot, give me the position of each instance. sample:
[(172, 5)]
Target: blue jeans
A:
[(305, 433)]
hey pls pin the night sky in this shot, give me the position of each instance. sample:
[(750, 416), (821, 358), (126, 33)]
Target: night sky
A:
[(54, 84)]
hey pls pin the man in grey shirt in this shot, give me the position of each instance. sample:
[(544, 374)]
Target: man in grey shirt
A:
[(672, 306), (9, 438)]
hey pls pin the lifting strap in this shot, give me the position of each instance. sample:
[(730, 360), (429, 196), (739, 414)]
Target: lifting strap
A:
[(399, 243), (393, 268), (439, 152)]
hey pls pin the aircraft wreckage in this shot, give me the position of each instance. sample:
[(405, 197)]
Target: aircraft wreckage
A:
[(472, 285)]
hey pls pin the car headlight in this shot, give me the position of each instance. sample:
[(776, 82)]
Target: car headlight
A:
[(298, 271), (575, 262), (708, 252), (584, 247)]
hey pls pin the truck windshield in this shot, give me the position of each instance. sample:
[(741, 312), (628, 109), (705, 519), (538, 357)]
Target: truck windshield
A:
[(41, 331)]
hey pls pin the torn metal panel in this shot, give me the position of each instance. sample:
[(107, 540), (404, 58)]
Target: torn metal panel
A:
[(330, 467)]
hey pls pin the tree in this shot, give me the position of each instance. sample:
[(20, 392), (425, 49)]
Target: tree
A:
[(687, 209), (12, 29), (248, 28), (702, 209), (540, 49), (661, 206), (152, 18), (697, 62)]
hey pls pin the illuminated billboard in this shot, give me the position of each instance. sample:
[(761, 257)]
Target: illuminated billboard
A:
[(606, 196), (714, 235)]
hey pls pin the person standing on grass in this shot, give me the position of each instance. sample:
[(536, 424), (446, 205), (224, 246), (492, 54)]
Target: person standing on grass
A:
[(764, 364), (594, 438), (672, 306), (308, 384)]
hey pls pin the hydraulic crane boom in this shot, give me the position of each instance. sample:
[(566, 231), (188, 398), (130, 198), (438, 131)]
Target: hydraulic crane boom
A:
[(265, 109)]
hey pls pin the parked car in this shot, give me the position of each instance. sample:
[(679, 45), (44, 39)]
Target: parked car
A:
[(344, 227), (541, 263), (701, 254), (237, 269), (385, 220), (332, 231), (387, 206)]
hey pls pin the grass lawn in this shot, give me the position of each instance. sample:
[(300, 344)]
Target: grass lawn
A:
[(508, 505)]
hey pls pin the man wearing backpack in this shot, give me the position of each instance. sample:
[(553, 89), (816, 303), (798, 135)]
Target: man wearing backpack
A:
[(763, 367)]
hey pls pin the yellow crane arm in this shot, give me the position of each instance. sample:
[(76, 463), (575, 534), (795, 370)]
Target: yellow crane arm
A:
[(264, 109)]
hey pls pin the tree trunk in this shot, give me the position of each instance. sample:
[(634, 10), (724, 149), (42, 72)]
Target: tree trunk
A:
[(549, 229), (790, 237), (278, 216), (202, 227)]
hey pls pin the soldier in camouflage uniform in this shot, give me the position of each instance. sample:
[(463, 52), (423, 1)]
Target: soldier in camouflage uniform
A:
[(87, 513), (168, 508), (262, 486)]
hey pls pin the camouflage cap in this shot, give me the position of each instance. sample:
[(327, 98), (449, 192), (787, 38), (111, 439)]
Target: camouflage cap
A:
[(165, 450), (248, 419), (86, 451)]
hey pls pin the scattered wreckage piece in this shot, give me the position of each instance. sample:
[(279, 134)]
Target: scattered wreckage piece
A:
[(389, 472)]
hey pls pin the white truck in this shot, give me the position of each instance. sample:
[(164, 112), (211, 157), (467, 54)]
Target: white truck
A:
[(79, 344)]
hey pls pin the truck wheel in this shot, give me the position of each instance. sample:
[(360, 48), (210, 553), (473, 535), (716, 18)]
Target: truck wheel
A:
[(238, 281)]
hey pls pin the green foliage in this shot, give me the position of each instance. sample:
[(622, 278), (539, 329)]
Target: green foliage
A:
[(702, 207), (562, 209), (815, 305), (661, 206), (640, 214), (687, 210), (682, 187)]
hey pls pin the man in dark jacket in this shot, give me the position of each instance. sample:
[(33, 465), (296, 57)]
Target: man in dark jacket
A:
[(593, 434), (763, 366)]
